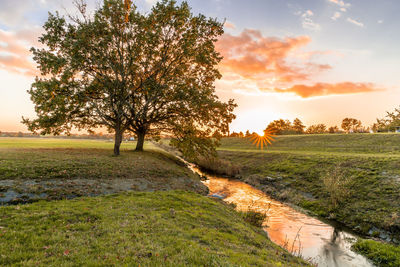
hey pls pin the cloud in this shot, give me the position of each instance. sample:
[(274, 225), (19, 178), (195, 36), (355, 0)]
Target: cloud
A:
[(15, 13), (340, 3), (229, 25), (336, 15), (325, 89), (14, 51), (151, 2), (265, 59), (355, 22), (307, 22), (255, 64)]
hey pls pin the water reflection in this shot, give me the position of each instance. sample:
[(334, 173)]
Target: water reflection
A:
[(297, 232)]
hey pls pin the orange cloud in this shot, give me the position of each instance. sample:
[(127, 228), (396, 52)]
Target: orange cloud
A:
[(229, 25), (258, 58), (278, 65), (14, 52), (324, 89)]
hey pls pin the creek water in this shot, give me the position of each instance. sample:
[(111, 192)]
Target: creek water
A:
[(322, 243)]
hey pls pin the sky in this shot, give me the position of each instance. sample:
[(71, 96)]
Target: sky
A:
[(317, 60)]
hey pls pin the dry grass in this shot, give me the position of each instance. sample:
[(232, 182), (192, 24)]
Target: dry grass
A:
[(218, 166), (337, 184)]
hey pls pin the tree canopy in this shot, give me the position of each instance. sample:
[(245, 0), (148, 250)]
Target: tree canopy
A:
[(351, 125), (282, 127), (148, 74)]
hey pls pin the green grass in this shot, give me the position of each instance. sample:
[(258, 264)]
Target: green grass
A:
[(86, 167), (380, 253), (172, 228), (293, 167), (59, 159), (343, 144), (48, 143)]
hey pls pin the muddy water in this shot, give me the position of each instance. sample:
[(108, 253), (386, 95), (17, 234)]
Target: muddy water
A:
[(301, 234)]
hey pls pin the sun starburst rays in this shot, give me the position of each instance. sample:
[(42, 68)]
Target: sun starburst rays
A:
[(263, 141)]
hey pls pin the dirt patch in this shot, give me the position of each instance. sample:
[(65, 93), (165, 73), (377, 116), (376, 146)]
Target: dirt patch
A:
[(24, 191)]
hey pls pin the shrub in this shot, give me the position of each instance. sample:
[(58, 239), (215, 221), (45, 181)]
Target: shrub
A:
[(253, 217), (217, 166), (336, 184)]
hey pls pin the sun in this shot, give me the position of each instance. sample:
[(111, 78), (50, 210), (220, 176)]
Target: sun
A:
[(260, 132), (264, 139)]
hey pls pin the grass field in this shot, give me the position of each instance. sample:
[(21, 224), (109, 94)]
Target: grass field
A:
[(173, 228), (379, 145), (161, 228)]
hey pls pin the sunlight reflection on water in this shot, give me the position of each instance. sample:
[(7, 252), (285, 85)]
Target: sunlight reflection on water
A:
[(297, 232)]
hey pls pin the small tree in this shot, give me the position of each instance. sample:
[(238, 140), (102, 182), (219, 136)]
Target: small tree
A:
[(351, 125), (144, 73), (333, 129), (316, 129), (280, 126), (298, 126)]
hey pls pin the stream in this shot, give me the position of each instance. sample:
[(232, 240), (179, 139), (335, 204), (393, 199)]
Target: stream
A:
[(319, 242)]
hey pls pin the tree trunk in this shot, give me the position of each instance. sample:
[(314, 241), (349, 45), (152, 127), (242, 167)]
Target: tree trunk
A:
[(140, 141), (117, 142)]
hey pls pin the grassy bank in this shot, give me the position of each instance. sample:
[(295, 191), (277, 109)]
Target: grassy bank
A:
[(33, 168), (173, 228), (295, 167), (380, 253)]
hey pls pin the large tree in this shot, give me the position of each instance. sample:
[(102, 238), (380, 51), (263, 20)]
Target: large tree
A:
[(144, 73)]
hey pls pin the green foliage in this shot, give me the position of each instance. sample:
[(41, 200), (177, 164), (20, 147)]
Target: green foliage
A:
[(172, 228), (144, 73), (384, 255)]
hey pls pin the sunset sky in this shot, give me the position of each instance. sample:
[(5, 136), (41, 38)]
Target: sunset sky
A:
[(318, 60)]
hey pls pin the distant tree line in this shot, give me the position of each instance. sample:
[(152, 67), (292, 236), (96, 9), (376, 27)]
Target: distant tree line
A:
[(93, 135), (287, 127), (388, 123)]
